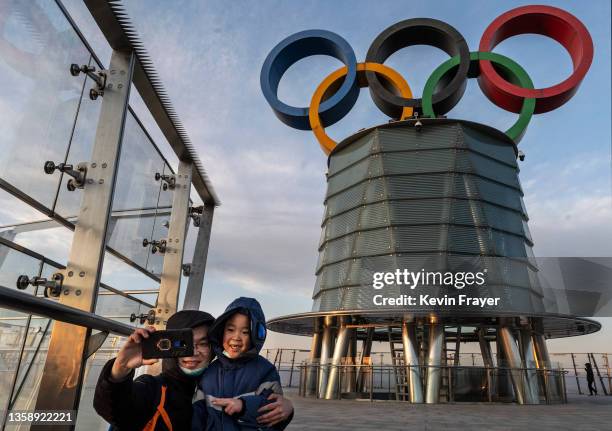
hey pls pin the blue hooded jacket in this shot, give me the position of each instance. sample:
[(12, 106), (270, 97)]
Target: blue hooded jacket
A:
[(249, 377)]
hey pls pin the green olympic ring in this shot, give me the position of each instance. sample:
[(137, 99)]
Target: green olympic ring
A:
[(509, 68)]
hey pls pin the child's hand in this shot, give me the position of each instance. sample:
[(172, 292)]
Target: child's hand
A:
[(231, 406), (277, 410)]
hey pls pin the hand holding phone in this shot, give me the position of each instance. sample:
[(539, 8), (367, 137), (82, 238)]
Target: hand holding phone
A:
[(130, 355)]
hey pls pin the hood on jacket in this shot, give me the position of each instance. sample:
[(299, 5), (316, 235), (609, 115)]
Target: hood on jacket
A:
[(250, 307), (184, 319)]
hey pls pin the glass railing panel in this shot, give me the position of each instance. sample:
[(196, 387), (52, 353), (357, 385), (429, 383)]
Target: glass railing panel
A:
[(155, 261), (13, 328), (136, 187), (126, 232), (32, 364), (136, 194), (47, 237), (118, 307), (190, 241), (68, 203), (14, 211), (39, 96), (14, 263), (87, 418), (121, 276)]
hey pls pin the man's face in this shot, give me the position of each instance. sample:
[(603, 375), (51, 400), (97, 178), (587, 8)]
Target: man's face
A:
[(201, 350), (237, 335)]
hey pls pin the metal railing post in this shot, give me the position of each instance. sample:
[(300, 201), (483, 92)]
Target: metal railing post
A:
[(489, 389), (563, 387), (62, 377), (291, 372), (340, 371), (193, 294), (372, 382), (317, 394), (451, 397), (547, 387), (167, 299)]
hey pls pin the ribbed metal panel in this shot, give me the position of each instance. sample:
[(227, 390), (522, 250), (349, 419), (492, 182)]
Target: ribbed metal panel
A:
[(350, 198), (358, 172), (471, 187), (491, 169), (360, 149), (424, 186), (479, 142), (424, 211), (444, 136), (445, 197), (419, 162)]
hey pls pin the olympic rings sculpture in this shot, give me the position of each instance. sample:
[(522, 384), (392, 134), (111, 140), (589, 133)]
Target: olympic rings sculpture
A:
[(507, 85)]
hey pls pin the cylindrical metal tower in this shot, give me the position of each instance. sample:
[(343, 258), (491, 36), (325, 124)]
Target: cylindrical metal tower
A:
[(442, 199)]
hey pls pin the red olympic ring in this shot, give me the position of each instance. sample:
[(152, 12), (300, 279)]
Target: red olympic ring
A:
[(548, 21)]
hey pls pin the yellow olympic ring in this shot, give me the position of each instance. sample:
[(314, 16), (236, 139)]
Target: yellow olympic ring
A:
[(330, 84)]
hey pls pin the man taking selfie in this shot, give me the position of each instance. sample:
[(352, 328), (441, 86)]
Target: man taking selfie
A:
[(160, 402), (164, 402)]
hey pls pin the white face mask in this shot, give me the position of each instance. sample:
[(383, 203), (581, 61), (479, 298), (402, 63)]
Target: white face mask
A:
[(193, 372)]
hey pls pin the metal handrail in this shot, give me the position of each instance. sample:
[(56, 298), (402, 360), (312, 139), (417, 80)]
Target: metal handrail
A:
[(383, 371), (30, 304)]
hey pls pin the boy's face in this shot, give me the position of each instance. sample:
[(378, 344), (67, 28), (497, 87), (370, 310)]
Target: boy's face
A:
[(237, 335)]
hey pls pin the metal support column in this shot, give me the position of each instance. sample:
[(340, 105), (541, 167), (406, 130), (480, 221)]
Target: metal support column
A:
[(327, 344), (351, 372), (313, 361), (366, 351), (167, 299), (530, 366), (411, 360), (340, 350), (434, 362), (62, 377), (542, 360), (542, 356), (193, 295), (485, 348), (511, 352)]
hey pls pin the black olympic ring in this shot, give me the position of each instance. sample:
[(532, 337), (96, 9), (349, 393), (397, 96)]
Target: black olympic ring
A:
[(418, 31)]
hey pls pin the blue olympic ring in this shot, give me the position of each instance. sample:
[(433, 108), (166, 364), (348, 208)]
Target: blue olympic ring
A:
[(291, 50)]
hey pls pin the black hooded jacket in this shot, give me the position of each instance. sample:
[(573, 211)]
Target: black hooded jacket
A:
[(129, 404)]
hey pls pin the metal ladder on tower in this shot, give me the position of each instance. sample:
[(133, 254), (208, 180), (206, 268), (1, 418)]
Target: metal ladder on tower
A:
[(399, 369), (446, 386)]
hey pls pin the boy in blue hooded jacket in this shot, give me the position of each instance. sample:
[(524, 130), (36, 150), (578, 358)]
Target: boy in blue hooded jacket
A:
[(240, 381)]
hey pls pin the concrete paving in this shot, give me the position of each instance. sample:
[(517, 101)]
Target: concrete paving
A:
[(582, 413)]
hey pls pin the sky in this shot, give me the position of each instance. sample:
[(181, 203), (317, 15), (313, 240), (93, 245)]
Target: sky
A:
[(271, 178)]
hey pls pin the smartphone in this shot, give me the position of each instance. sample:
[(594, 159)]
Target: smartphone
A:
[(172, 343)]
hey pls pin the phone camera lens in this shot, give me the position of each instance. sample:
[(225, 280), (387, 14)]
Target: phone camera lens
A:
[(164, 344)]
